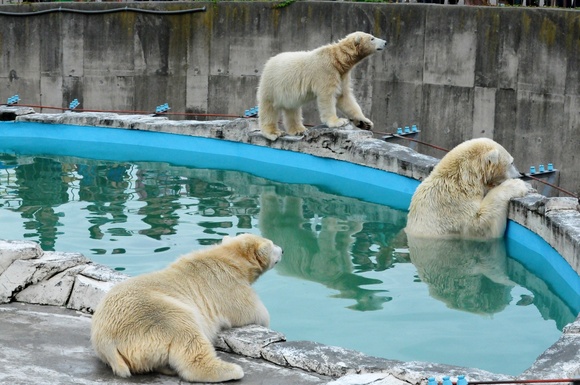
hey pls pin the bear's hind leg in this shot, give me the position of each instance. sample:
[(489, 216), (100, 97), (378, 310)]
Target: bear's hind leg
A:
[(268, 118), (293, 121), (327, 111), (109, 353), (195, 360)]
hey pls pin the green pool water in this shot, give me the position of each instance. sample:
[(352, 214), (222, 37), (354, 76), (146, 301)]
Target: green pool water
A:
[(346, 278)]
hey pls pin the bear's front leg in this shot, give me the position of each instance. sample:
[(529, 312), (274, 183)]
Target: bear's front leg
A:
[(348, 105), (492, 214)]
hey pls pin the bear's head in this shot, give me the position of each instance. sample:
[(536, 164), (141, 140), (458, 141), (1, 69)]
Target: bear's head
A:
[(363, 44), (479, 161), (261, 253)]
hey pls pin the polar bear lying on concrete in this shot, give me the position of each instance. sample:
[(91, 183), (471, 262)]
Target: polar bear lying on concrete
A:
[(291, 79), (467, 193), (166, 321)]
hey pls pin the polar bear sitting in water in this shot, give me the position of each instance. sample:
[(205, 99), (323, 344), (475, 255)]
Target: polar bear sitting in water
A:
[(467, 193)]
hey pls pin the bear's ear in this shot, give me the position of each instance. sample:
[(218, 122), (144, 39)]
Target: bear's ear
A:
[(226, 239), (263, 251), (357, 39), (492, 156)]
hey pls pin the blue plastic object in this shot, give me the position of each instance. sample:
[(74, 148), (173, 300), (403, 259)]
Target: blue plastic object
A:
[(252, 112), (162, 108), (414, 128), (447, 381), (542, 168), (407, 130), (13, 100), (550, 167), (399, 130), (74, 104), (532, 170), (461, 380), (431, 381)]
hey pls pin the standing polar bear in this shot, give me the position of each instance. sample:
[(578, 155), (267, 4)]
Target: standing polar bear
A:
[(291, 79), (467, 193), (166, 321)]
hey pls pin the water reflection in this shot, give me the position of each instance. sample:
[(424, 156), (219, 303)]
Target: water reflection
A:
[(330, 240), (104, 186), (322, 249), (477, 276), (40, 193), (464, 274)]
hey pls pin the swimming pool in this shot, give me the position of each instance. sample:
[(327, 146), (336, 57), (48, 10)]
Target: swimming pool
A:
[(371, 187)]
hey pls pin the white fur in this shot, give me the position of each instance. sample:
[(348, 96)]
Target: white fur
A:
[(166, 321), (291, 79), (467, 193)]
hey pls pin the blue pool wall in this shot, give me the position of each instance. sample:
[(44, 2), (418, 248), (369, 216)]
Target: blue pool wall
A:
[(333, 175)]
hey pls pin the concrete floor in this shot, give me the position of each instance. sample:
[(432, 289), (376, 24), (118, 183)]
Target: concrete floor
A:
[(51, 345)]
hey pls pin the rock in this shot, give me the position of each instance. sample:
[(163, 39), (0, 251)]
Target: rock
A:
[(248, 341), (368, 379), (10, 251), (23, 273), (87, 293), (103, 273), (54, 291)]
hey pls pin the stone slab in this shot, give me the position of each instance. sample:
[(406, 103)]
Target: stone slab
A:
[(10, 251), (87, 293), (24, 272), (53, 291)]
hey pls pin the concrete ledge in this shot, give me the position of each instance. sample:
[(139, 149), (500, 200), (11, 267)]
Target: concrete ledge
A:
[(556, 220), (348, 143)]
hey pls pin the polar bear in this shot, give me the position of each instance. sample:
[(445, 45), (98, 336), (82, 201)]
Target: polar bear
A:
[(166, 321), (467, 193), (291, 79)]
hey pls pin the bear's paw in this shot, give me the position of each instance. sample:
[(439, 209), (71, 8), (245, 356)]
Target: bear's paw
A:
[(273, 135), (516, 188), (337, 122), (364, 124)]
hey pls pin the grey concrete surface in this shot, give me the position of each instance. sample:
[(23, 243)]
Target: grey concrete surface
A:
[(51, 345), (510, 73)]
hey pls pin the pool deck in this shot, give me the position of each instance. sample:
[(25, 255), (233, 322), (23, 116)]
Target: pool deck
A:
[(50, 344)]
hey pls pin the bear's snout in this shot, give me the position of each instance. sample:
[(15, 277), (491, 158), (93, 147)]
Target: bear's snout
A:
[(380, 44), (276, 255)]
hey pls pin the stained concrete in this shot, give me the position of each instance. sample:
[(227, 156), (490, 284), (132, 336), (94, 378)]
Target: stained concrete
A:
[(510, 73)]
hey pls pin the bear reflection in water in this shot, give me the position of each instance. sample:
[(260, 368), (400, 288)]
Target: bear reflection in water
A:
[(469, 275), (320, 255)]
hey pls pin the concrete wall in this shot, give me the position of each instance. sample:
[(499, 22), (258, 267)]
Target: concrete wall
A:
[(512, 74)]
